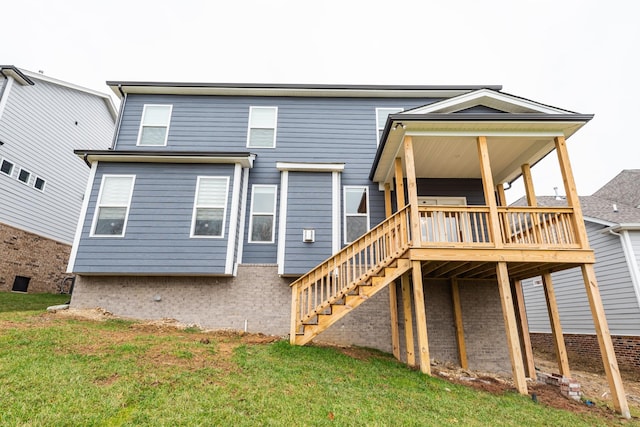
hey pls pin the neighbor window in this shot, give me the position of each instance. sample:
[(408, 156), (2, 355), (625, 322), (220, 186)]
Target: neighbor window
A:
[(39, 184), (23, 176), (263, 213), (113, 205), (6, 167), (154, 126), (262, 127), (209, 209), (381, 118), (356, 212)]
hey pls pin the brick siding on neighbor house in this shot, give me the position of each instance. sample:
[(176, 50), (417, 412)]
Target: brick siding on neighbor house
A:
[(585, 347), (262, 299), (29, 255)]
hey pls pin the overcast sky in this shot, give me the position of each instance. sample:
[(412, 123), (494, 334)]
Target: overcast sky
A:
[(578, 55)]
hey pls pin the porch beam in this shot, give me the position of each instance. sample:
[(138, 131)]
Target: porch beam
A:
[(510, 326), (571, 191), (556, 329), (400, 202), (412, 189), (523, 329), (408, 319), (421, 317), (571, 256), (604, 340), (489, 195), (457, 315)]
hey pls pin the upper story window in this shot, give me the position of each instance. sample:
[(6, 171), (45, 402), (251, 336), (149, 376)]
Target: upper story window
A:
[(262, 127), (6, 167), (154, 126), (113, 205), (381, 118), (356, 212), (24, 176), (39, 184), (210, 206), (263, 214)]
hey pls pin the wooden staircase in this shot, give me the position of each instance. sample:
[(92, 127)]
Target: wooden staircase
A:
[(341, 283)]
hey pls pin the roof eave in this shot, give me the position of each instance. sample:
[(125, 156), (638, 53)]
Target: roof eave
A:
[(245, 159)]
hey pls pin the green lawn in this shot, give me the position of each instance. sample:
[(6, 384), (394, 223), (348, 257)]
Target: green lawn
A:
[(62, 371)]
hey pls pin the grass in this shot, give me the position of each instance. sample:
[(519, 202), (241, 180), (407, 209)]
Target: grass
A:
[(62, 371)]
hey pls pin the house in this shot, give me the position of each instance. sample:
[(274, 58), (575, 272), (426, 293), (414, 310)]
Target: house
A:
[(362, 215), (42, 182), (612, 221)]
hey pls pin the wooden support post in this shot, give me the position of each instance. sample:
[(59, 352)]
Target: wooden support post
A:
[(572, 194), (457, 316), (388, 209), (408, 319), (502, 197), (528, 185), (489, 195), (393, 297), (523, 328), (421, 317), (604, 340), (513, 342), (400, 202), (295, 302), (412, 190), (556, 329)]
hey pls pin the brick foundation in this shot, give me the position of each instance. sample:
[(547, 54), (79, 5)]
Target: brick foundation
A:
[(585, 347), (29, 255)]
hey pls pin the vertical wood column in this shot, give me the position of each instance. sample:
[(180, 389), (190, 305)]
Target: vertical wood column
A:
[(393, 298), (489, 195), (511, 328), (408, 319), (604, 340), (421, 317), (400, 202), (556, 329), (523, 329), (457, 316), (528, 185), (571, 192), (412, 190), (502, 198)]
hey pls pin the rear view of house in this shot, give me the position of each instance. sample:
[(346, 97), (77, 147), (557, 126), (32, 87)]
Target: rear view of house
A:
[(42, 182), (369, 215)]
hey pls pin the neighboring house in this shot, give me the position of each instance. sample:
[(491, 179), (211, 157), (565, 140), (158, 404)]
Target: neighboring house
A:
[(216, 197), (612, 220), (42, 182)]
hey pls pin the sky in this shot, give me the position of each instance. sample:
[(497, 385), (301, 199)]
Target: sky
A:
[(582, 55)]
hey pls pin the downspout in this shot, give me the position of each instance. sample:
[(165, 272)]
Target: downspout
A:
[(632, 262)]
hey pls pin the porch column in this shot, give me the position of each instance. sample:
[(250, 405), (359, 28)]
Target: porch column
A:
[(393, 298), (408, 319), (531, 199), (421, 317), (571, 192), (502, 198), (556, 329), (412, 190), (511, 328), (457, 316), (523, 329), (489, 195), (604, 340), (399, 184)]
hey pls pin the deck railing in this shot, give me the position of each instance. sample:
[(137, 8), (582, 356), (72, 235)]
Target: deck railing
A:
[(338, 275), (538, 227)]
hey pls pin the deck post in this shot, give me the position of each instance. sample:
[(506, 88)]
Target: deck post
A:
[(528, 185), (421, 317), (412, 190), (457, 316), (571, 192), (556, 329), (408, 319), (502, 198), (604, 340), (509, 315), (489, 194), (295, 300), (393, 297), (523, 329), (400, 202)]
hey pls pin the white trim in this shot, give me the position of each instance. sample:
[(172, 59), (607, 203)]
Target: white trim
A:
[(142, 125), (98, 206), (380, 126), (632, 262), (195, 208), (243, 217), (344, 210), (309, 167), (335, 212), (5, 95), (252, 213), (531, 134), (245, 161), (82, 218), (282, 229), (275, 125), (233, 225)]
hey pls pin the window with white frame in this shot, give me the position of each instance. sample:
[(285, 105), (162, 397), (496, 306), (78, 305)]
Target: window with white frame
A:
[(381, 118), (113, 205), (39, 184), (154, 125), (263, 214), (262, 127), (24, 176), (210, 207), (356, 212), (6, 167)]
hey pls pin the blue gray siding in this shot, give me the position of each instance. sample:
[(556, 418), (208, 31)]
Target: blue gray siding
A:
[(614, 280), (309, 205), (157, 239)]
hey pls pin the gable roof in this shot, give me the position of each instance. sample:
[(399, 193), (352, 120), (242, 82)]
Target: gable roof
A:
[(624, 188)]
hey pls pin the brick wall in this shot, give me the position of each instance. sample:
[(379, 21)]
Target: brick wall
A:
[(586, 348), (29, 255)]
